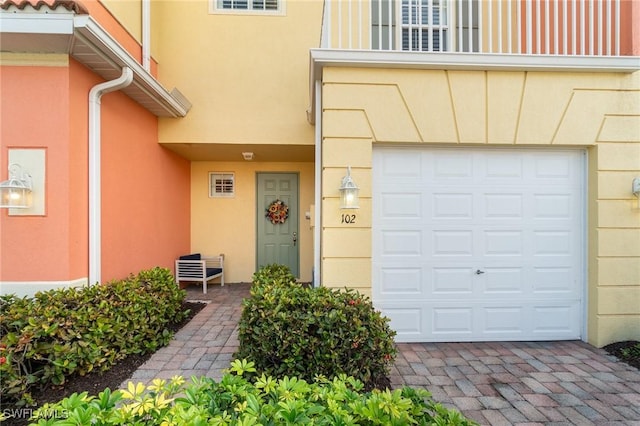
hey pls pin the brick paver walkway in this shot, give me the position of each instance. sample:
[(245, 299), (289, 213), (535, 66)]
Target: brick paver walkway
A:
[(500, 383)]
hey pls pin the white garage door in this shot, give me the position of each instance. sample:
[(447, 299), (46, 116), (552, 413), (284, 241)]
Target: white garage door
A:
[(479, 244)]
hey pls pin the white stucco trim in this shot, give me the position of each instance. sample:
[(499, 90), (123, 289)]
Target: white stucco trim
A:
[(29, 288)]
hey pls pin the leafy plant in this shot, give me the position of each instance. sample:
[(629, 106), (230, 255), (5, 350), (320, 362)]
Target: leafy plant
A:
[(62, 332), (237, 401), (632, 352), (290, 330)]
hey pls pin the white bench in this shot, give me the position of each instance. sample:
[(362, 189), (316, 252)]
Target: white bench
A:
[(197, 268)]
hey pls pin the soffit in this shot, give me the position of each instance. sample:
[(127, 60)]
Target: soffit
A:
[(233, 152)]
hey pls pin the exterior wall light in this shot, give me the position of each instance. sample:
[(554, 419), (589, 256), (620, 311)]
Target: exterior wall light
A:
[(635, 189), (349, 198), (15, 193)]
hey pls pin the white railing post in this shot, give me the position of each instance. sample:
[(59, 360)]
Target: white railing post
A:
[(538, 27), (340, 23), (565, 31), (509, 29), (617, 26)]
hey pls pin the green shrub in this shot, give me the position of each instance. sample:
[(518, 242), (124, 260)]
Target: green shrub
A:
[(237, 401), (69, 331), (290, 330), (273, 274)]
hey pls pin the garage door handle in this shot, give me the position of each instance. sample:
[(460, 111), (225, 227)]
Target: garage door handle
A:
[(478, 272)]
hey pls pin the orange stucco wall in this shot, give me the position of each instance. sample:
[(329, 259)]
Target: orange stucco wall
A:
[(145, 188), (145, 192), (34, 114)]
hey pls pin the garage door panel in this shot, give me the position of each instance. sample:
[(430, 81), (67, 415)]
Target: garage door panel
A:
[(402, 166), (504, 280), (449, 205), (503, 206), (402, 282), (455, 321), (452, 242), (405, 205), (554, 280), (448, 281), (473, 244), (409, 322), (449, 165), (503, 243), (500, 165), (553, 206), (553, 243)]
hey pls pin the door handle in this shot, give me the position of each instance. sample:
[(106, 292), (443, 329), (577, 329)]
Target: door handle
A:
[(478, 272), (295, 238)]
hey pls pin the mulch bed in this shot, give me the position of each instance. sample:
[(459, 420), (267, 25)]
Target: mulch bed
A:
[(96, 382), (616, 349)]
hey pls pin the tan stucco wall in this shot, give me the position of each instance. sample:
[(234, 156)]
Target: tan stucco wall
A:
[(228, 225), (246, 75), (598, 111)]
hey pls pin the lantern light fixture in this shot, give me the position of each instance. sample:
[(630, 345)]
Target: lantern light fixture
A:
[(15, 193), (349, 192)]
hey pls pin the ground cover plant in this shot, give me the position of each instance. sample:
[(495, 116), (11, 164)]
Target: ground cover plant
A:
[(72, 332), (237, 400), (289, 329), (627, 351)]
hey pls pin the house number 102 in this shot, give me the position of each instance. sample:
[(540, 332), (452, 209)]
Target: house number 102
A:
[(348, 218)]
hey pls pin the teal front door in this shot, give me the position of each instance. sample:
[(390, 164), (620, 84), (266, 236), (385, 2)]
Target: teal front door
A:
[(277, 203)]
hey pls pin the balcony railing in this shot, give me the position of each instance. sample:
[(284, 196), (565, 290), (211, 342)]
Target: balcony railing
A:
[(532, 27)]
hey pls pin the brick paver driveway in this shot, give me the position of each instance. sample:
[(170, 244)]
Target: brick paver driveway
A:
[(492, 383)]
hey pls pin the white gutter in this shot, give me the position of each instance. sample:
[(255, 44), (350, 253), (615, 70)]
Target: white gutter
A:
[(95, 194), (146, 35), (163, 103), (317, 230)]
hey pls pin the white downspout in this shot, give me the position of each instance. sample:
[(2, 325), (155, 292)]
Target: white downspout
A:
[(95, 237), (146, 35)]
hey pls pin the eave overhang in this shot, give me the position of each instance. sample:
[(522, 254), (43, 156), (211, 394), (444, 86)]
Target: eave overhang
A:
[(321, 58), (60, 30)]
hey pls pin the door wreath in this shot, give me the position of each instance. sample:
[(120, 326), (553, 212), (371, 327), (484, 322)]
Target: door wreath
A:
[(277, 212)]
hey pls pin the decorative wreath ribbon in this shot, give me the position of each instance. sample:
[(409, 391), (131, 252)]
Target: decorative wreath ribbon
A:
[(277, 212)]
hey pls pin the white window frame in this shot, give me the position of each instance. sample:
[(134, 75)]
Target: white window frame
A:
[(213, 176), (443, 27), (215, 7)]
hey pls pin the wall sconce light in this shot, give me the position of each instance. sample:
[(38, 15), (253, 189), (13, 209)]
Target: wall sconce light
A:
[(248, 156), (349, 191), (15, 193), (635, 189)]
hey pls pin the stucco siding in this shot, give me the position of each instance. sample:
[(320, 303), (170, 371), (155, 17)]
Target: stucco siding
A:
[(256, 97), (598, 112), (145, 188), (228, 225), (35, 105)]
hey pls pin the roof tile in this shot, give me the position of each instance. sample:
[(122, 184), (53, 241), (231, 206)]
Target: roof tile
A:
[(70, 5)]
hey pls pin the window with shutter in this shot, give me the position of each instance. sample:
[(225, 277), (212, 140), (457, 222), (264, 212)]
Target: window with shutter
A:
[(416, 25), (424, 25), (221, 185), (248, 6)]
